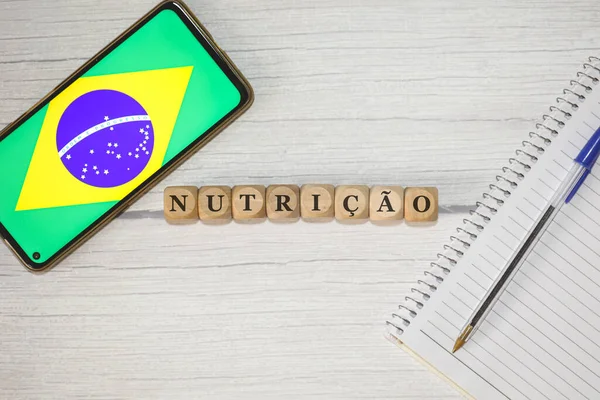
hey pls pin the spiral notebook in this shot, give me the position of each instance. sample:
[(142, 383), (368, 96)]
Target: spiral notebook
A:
[(542, 338)]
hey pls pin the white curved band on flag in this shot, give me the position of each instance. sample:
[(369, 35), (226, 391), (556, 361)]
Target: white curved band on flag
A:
[(99, 127)]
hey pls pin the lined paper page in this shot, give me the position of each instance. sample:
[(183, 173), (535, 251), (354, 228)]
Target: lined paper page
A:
[(542, 338)]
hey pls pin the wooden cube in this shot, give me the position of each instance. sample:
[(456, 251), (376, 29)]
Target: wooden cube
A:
[(248, 203), (317, 203), (214, 204), (421, 204), (283, 203), (352, 203), (386, 203), (180, 204)]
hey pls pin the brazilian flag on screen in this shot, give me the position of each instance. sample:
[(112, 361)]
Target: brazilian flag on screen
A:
[(108, 132)]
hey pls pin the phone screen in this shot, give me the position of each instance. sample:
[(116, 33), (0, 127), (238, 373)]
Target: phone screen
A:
[(94, 143)]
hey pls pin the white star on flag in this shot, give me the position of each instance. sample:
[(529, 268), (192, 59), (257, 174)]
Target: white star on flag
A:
[(112, 128), (84, 170), (116, 144), (142, 130), (95, 168), (110, 145), (105, 172), (68, 156), (118, 156), (106, 118), (92, 151), (129, 154), (137, 156), (82, 176)]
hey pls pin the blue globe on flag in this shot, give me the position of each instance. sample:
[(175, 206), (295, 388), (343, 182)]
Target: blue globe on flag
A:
[(105, 138)]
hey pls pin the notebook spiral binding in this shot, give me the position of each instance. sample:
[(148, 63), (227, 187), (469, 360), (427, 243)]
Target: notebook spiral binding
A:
[(518, 166)]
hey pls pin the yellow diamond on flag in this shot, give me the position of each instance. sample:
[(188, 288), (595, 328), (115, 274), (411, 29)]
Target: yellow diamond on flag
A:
[(102, 137)]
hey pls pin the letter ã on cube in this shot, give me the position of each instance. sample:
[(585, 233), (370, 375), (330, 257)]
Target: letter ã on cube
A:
[(386, 204)]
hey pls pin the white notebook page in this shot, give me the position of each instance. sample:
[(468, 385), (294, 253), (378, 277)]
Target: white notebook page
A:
[(542, 339)]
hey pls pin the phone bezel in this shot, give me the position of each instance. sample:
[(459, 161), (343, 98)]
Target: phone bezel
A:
[(218, 55)]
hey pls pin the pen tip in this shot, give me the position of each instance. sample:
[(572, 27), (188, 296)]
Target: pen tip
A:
[(462, 338), (457, 345)]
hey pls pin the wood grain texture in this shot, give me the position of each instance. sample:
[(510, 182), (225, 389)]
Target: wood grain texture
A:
[(414, 93)]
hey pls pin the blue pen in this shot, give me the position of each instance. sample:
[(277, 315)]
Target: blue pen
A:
[(582, 167)]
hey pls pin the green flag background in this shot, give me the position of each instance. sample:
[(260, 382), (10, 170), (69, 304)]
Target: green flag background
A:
[(164, 42)]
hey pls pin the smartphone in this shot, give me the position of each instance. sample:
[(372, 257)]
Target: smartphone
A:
[(111, 131)]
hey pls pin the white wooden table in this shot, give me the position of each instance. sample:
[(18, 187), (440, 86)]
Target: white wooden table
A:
[(416, 92)]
